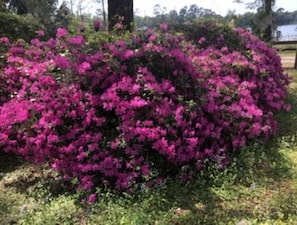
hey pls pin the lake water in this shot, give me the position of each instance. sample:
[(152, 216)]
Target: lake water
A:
[(288, 32)]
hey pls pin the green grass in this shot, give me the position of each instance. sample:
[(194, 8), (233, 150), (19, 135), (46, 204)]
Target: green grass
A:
[(285, 48), (259, 186), (288, 53)]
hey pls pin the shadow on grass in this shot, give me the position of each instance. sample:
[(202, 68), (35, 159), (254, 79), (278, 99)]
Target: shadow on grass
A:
[(9, 162), (231, 195), (29, 179), (288, 120)]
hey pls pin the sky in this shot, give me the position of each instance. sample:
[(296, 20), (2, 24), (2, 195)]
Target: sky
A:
[(145, 7)]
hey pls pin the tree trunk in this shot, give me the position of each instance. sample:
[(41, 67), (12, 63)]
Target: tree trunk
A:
[(268, 13), (104, 14), (120, 10)]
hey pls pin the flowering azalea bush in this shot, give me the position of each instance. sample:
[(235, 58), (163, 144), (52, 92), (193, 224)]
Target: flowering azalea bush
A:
[(137, 109)]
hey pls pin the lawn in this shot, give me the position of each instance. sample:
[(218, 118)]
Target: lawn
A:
[(288, 53), (259, 186)]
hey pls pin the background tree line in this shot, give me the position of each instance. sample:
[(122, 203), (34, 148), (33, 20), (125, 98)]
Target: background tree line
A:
[(280, 17), (20, 18)]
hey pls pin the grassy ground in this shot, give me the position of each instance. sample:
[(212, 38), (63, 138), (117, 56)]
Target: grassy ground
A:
[(287, 47), (258, 187), (288, 53)]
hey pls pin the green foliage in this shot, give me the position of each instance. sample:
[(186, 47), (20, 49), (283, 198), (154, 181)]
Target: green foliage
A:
[(26, 15), (38, 8), (184, 15), (7, 205), (212, 30), (150, 207), (18, 27)]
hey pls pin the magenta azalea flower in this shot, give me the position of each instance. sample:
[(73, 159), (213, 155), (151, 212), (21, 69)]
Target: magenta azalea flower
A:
[(61, 32), (97, 25), (164, 27), (40, 33)]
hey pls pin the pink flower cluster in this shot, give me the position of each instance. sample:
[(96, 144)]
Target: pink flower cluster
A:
[(136, 109)]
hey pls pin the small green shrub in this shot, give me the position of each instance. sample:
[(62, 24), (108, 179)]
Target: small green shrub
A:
[(18, 27)]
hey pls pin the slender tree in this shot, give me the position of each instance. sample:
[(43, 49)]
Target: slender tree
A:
[(263, 23), (104, 13), (268, 30), (120, 11)]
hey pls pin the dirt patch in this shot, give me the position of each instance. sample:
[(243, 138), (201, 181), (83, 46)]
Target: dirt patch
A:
[(288, 61)]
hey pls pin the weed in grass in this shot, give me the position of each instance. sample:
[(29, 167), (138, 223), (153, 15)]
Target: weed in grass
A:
[(62, 210), (284, 205), (146, 208)]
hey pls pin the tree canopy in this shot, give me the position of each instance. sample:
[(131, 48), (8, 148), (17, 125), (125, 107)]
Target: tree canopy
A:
[(36, 8)]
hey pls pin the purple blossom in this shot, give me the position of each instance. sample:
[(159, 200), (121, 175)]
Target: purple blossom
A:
[(119, 26), (14, 112), (62, 62), (201, 40), (61, 32), (152, 38), (164, 27), (85, 66), (137, 102), (81, 28), (92, 198), (128, 54), (4, 40), (97, 25), (78, 40), (40, 33)]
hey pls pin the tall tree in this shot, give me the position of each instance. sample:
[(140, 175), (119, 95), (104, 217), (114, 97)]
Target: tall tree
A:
[(267, 5), (120, 11), (2, 6), (63, 15), (263, 23), (16, 6)]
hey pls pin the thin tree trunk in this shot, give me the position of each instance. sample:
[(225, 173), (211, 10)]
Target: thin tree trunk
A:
[(104, 14), (268, 13)]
